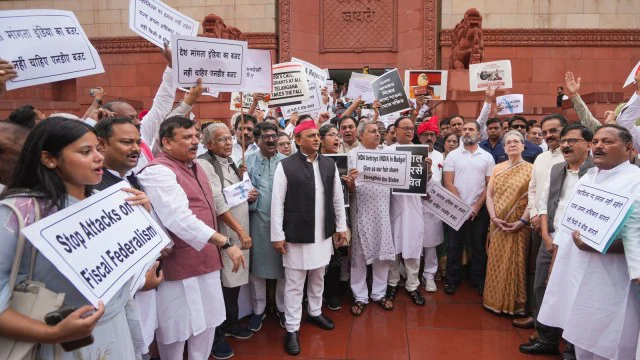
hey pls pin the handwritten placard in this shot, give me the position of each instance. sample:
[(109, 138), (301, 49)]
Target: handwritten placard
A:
[(259, 72), (383, 168), (289, 85), (447, 207), (156, 21), (219, 62), (238, 193), (310, 106), (511, 104), (597, 214), (493, 73), (247, 100), (361, 85), (99, 243), (46, 46), (314, 73), (417, 172), (388, 89)]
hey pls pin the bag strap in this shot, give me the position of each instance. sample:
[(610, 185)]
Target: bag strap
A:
[(17, 259), (32, 264)]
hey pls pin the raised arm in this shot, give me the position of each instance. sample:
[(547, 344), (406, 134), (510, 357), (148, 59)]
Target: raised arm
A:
[(629, 114), (572, 86), (489, 97)]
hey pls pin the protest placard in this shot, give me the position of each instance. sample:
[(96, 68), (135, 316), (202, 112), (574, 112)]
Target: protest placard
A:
[(329, 86), (259, 74), (597, 213), (139, 278), (388, 89), (207, 91), (219, 62), (494, 74), (289, 85), (99, 243), (361, 85), (342, 163), (430, 83), (309, 106), (511, 104), (631, 78), (238, 193), (246, 103), (156, 21), (417, 172), (314, 73), (447, 207), (383, 168), (46, 46)]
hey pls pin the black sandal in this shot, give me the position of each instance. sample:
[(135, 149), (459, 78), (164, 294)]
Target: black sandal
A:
[(385, 304), (391, 292), (359, 308)]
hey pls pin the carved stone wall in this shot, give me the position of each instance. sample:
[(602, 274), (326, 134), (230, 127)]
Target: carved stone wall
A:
[(358, 25)]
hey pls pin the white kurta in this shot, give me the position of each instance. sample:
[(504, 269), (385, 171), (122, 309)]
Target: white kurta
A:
[(407, 224), (433, 226), (190, 306), (317, 254), (589, 295)]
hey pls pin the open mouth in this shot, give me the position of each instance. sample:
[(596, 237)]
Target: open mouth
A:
[(134, 157), (567, 151), (98, 170)]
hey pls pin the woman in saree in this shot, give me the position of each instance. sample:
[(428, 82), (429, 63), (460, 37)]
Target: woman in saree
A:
[(505, 290)]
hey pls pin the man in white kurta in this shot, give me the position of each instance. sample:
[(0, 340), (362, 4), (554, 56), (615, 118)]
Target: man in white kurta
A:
[(589, 294), (305, 259), (433, 236)]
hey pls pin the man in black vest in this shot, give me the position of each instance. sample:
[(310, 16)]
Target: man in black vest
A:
[(307, 210), (575, 143)]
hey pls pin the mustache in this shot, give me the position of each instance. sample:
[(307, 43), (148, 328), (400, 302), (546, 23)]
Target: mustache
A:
[(270, 143), (598, 152), (133, 153)]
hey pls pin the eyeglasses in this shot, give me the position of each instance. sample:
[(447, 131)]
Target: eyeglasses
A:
[(223, 140), (333, 135), (571, 142), (373, 131), (551, 131), (407, 129), (516, 126), (269, 137)]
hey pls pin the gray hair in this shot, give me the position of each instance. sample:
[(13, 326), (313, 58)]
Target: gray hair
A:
[(515, 133), (363, 124), (207, 133)]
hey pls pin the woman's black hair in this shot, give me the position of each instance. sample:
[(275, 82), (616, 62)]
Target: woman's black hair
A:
[(444, 140), (31, 176)]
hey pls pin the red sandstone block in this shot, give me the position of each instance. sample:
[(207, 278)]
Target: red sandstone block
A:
[(309, 56), (532, 52), (499, 53), (584, 68), (522, 70), (123, 75), (566, 53), (305, 23), (602, 53), (305, 6), (615, 71), (305, 41), (411, 57), (548, 70), (148, 74), (410, 40), (410, 20)]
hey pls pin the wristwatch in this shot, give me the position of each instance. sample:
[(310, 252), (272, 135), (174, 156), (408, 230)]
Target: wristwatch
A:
[(524, 222), (99, 102), (227, 245)]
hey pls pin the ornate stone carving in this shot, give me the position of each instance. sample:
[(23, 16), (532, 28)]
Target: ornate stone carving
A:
[(358, 25), (285, 30), (555, 37), (467, 46), (136, 44), (214, 27), (430, 36)]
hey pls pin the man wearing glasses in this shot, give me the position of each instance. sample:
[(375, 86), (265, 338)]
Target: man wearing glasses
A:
[(531, 150)]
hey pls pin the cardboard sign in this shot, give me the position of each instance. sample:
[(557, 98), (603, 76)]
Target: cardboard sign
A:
[(597, 213), (310, 106), (156, 21), (430, 83), (289, 85), (329, 86), (417, 172), (342, 163), (314, 73), (447, 207), (100, 243), (383, 168), (207, 91), (511, 104), (388, 89), (490, 74), (219, 62), (361, 85), (238, 193), (46, 46), (632, 75), (246, 103), (259, 74)]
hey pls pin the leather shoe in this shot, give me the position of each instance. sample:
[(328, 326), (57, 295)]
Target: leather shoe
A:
[(524, 323), (291, 343), (538, 348), (450, 289), (321, 321), (416, 297)]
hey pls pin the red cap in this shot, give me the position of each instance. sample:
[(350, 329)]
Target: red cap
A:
[(429, 125), (306, 125), (142, 114)]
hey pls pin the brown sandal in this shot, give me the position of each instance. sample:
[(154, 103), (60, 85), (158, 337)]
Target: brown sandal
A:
[(358, 308), (385, 304)]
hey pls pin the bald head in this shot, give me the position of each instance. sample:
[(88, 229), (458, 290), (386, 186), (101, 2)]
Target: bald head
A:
[(123, 109)]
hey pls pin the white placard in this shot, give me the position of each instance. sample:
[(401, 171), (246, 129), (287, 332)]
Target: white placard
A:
[(259, 72), (314, 73), (447, 207), (207, 91), (289, 84), (631, 78), (219, 62), (156, 21), (310, 106), (100, 243), (493, 73), (238, 193), (246, 103), (329, 86), (383, 168), (140, 277), (361, 85), (597, 213), (46, 46), (511, 104)]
